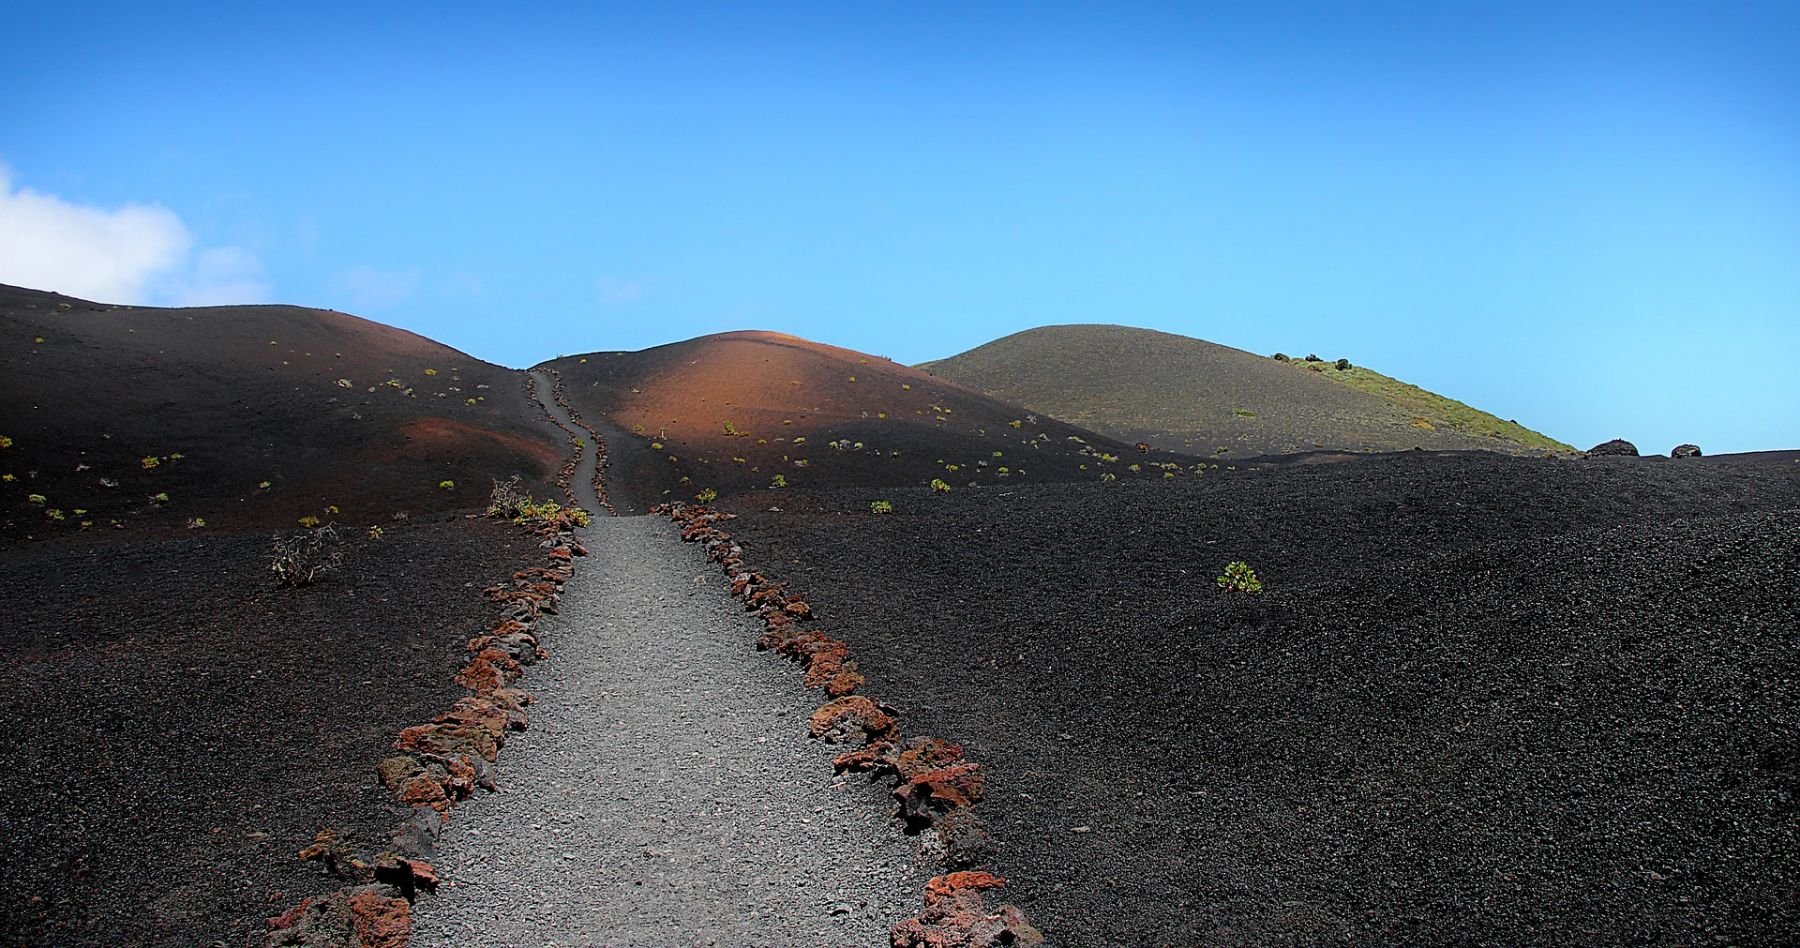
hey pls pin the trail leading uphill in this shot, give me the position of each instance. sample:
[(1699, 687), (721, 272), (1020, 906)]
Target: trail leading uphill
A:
[(666, 793)]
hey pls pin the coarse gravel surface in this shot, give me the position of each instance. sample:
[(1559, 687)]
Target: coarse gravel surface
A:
[(1481, 700), (666, 792)]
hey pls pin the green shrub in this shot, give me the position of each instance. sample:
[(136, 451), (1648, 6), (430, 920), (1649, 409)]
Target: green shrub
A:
[(778, 481), (1313, 357), (707, 496), (937, 484), (1282, 357), (1343, 365), (880, 507), (1240, 578), (446, 485)]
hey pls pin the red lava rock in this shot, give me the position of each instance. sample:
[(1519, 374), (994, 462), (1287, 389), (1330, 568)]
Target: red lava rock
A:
[(363, 917), (380, 921), (336, 855), (874, 756), (408, 875), (561, 555), (923, 754), (448, 740), (957, 916), (952, 787), (846, 717), (489, 671), (844, 683)]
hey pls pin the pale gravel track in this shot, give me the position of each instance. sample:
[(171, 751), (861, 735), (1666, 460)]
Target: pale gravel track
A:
[(666, 793)]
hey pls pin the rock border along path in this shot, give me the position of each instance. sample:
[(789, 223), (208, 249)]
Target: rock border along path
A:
[(664, 795)]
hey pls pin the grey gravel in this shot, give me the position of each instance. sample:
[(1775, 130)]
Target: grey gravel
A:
[(666, 793)]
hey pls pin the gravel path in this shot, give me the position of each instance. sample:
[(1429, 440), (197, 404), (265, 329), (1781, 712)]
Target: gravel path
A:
[(666, 793)]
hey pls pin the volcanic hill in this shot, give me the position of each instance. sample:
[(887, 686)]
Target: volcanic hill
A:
[(244, 416), (1197, 397), (748, 410)]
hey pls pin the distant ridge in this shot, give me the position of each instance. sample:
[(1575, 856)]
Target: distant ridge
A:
[(1197, 397), (750, 410)]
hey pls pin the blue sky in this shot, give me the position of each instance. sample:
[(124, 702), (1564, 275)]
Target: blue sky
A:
[(1582, 216)]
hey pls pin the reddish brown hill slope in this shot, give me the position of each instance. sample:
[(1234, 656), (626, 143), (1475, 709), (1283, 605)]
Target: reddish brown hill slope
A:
[(739, 410), (327, 409)]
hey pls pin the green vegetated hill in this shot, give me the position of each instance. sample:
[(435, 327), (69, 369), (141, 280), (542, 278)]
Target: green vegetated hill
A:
[(1193, 396)]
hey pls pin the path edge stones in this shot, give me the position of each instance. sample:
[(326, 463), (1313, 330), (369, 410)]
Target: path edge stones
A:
[(936, 788), (441, 763)]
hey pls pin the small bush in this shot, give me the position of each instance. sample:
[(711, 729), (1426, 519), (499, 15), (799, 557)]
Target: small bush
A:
[(300, 559), (1343, 365), (1240, 578), (5, 442), (778, 481), (375, 533), (310, 522), (1282, 357), (446, 485), (937, 484), (707, 496), (507, 498), (38, 499), (195, 523), (151, 463), (880, 507)]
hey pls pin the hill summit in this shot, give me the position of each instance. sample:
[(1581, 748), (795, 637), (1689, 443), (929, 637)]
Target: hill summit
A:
[(1197, 397)]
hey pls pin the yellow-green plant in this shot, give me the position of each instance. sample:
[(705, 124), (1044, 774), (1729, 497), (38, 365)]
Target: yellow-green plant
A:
[(310, 522), (374, 533), (707, 496), (778, 481), (151, 463), (1240, 578), (35, 499), (880, 507), (938, 484), (446, 485)]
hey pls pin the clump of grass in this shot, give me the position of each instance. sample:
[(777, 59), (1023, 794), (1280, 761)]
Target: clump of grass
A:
[(446, 485), (778, 481), (880, 507), (1240, 578), (707, 496), (938, 484)]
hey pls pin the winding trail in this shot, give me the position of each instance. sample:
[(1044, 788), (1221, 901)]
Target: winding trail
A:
[(586, 469), (666, 793)]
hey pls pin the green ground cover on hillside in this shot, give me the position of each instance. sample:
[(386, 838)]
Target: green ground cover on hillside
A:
[(1431, 409)]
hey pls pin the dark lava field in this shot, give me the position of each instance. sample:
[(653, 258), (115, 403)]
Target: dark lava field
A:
[(1482, 700), (181, 728)]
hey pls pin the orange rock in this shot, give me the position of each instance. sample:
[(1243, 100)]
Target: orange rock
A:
[(849, 716), (380, 921)]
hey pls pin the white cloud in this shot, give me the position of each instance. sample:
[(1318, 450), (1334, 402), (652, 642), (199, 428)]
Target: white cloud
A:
[(614, 291), (137, 253), (370, 288)]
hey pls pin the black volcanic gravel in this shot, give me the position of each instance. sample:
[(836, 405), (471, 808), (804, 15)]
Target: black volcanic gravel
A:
[(177, 727), (1483, 700)]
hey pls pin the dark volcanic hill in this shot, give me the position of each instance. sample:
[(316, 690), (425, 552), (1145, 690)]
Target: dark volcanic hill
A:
[(744, 409), (244, 416), (1196, 397)]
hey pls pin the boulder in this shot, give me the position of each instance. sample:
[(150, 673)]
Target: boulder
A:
[(1617, 447), (1685, 451)]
